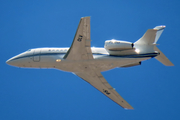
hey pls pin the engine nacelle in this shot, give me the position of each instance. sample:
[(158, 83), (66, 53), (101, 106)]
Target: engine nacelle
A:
[(117, 45)]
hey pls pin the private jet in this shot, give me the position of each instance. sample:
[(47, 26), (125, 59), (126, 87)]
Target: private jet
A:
[(88, 62)]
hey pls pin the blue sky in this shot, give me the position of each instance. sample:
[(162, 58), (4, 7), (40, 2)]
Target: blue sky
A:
[(48, 94)]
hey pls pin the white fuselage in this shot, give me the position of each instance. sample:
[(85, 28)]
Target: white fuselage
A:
[(88, 62), (53, 58)]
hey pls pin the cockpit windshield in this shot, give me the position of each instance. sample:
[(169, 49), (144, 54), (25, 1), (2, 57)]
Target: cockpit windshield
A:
[(28, 50)]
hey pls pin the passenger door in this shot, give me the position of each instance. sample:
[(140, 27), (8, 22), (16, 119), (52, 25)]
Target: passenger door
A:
[(36, 55)]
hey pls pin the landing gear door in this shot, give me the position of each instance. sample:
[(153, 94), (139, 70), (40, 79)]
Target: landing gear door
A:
[(36, 55)]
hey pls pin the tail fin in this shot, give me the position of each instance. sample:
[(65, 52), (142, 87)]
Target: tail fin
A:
[(162, 58), (149, 40), (151, 36), (159, 29)]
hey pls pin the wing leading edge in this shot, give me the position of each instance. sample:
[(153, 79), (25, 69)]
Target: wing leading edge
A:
[(97, 80), (81, 46)]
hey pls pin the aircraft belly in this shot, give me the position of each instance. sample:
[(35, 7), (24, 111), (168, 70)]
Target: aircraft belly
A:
[(101, 63), (98, 64)]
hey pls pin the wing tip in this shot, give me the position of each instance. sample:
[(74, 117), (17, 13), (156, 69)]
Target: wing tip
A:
[(170, 64), (160, 27), (131, 108), (85, 17)]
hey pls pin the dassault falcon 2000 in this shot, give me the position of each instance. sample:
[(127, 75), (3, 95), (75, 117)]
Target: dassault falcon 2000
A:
[(88, 62)]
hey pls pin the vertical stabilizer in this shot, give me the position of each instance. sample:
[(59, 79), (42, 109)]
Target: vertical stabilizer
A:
[(161, 58), (159, 29), (147, 43), (151, 36)]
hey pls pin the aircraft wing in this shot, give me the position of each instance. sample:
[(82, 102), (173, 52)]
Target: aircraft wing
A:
[(81, 46), (81, 50), (97, 80)]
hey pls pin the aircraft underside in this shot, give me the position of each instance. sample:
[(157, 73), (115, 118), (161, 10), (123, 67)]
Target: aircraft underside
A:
[(88, 62), (100, 64)]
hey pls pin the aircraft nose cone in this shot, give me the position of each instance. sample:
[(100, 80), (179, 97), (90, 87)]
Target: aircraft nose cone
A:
[(9, 62), (12, 61)]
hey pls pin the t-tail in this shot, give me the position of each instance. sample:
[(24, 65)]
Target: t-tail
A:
[(147, 43)]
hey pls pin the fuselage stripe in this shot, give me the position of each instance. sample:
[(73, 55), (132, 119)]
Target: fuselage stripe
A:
[(95, 54)]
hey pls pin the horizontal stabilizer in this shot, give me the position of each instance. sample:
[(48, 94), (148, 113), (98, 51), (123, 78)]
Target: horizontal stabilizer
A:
[(162, 58)]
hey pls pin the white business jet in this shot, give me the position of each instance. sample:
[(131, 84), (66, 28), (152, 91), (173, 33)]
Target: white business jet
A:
[(88, 62)]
